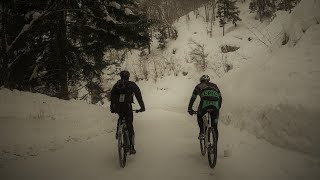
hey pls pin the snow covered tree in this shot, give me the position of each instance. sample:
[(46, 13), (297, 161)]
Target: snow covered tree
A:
[(161, 37), (287, 5), (198, 54), (227, 12), (51, 46), (264, 8)]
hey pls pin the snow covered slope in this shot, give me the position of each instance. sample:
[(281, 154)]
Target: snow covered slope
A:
[(34, 123), (277, 96), (273, 89)]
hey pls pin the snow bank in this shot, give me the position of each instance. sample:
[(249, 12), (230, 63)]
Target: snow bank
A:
[(276, 96), (115, 5), (34, 123), (128, 11), (304, 16)]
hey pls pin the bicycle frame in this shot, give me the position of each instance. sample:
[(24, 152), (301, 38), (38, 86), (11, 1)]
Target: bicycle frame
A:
[(123, 125), (123, 139), (205, 144), (206, 125)]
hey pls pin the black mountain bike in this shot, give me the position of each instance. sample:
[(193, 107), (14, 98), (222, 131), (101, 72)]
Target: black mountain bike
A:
[(123, 140), (209, 142)]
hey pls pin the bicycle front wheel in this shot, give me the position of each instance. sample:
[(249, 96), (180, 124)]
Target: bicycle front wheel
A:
[(122, 149), (212, 147)]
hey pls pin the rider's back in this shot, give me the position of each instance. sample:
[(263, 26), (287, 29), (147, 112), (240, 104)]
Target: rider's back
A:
[(210, 95), (122, 95)]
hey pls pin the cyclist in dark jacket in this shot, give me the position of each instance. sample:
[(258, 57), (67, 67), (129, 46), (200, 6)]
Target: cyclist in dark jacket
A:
[(121, 102), (210, 99)]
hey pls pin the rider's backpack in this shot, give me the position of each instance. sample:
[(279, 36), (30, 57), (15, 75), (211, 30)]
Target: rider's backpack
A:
[(123, 97)]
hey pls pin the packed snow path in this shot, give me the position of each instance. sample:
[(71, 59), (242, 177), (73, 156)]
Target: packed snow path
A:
[(167, 148)]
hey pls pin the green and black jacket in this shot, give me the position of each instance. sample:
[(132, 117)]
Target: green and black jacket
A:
[(210, 96)]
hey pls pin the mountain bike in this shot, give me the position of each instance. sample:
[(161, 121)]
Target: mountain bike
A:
[(209, 142), (123, 140)]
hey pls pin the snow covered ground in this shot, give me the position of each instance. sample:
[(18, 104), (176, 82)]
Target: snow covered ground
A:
[(167, 148), (269, 120), (33, 123)]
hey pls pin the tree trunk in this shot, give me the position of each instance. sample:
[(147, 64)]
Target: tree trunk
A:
[(149, 43), (61, 47), (213, 17), (214, 10), (224, 17), (223, 30), (206, 12), (4, 48)]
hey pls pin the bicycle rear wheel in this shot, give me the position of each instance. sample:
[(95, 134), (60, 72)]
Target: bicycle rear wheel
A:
[(212, 147), (122, 149)]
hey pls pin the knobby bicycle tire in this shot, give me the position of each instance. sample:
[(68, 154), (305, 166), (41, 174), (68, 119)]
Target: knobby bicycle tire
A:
[(122, 149), (212, 147)]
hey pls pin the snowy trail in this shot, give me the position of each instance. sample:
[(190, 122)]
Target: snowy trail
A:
[(167, 148)]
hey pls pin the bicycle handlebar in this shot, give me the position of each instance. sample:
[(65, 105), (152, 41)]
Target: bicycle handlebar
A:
[(137, 110), (194, 112)]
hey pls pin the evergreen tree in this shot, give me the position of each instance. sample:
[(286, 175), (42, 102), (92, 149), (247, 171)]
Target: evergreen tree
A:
[(57, 45), (161, 37), (227, 12), (287, 5), (264, 8)]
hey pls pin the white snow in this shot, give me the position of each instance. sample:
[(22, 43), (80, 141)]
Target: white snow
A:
[(109, 18), (303, 17), (268, 123), (276, 96), (36, 15), (166, 143), (115, 4), (34, 123), (128, 11)]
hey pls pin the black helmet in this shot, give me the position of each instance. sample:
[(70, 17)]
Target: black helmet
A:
[(125, 74), (204, 78)]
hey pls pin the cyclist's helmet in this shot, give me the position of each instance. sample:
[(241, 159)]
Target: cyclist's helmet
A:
[(204, 78), (125, 74)]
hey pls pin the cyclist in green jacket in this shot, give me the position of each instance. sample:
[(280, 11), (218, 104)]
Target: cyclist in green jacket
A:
[(210, 99)]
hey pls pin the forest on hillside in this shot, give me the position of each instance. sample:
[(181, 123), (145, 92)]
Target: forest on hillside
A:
[(57, 47)]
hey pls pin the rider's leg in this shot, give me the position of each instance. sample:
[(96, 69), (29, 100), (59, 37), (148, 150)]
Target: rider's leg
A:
[(200, 121), (215, 127), (131, 132), (214, 122), (129, 121), (117, 127)]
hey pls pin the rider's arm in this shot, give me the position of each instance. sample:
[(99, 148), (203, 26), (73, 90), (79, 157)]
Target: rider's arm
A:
[(220, 99), (112, 94), (138, 95), (112, 98), (193, 97)]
